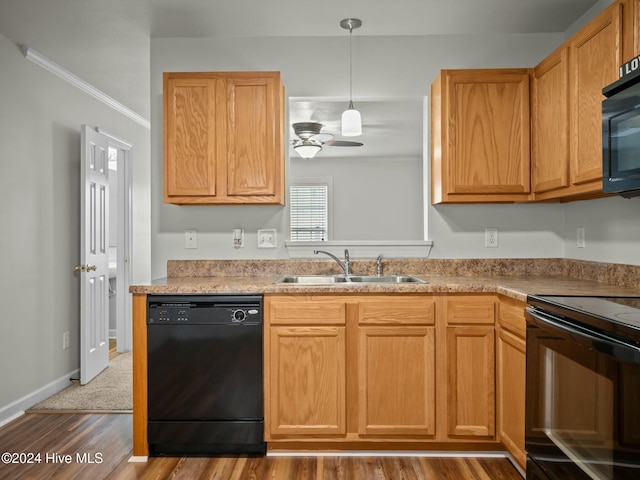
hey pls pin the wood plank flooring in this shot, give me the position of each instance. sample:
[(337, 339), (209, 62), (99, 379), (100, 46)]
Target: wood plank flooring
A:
[(98, 446)]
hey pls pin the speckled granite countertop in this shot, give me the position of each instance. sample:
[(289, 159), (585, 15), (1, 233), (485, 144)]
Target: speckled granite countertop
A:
[(539, 276)]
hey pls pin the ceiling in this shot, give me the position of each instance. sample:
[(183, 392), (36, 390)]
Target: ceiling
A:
[(107, 42)]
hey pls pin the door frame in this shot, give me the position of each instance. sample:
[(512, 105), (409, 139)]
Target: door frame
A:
[(124, 324)]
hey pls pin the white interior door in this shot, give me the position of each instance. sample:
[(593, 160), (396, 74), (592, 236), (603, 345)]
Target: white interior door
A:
[(94, 255)]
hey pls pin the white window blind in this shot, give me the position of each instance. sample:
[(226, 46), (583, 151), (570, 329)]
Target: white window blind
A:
[(309, 206)]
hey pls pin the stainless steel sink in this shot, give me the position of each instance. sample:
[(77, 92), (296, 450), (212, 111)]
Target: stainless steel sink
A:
[(385, 279), (343, 279), (312, 279)]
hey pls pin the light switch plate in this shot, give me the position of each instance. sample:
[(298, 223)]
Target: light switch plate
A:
[(267, 238), (580, 243)]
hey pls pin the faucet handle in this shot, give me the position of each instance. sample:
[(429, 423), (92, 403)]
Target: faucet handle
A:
[(379, 265)]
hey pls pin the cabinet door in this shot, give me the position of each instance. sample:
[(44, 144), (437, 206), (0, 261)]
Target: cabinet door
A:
[(190, 124), (481, 136), (223, 138), (254, 138), (595, 54), (307, 381), (511, 394), (396, 370), (471, 381), (550, 124)]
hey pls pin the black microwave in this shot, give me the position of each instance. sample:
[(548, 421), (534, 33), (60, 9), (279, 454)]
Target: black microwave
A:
[(621, 137)]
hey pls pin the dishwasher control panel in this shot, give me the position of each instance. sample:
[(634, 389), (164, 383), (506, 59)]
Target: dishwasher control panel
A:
[(197, 310)]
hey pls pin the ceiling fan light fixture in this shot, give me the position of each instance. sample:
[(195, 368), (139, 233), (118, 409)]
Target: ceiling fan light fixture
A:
[(307, 149), (351, 119)]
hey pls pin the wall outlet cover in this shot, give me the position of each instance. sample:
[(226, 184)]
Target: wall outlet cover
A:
[(581, 242), (267, 238), (491, 237)]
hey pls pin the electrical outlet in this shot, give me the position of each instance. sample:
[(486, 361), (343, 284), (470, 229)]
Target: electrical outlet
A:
[(581, 242), (190, 239), (491, 237), (65, 341)]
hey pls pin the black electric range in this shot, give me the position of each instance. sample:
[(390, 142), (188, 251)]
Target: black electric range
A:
[(582, 387), (618, 317)]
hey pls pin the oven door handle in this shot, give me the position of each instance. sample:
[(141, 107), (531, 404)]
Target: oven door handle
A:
[(607, 345)]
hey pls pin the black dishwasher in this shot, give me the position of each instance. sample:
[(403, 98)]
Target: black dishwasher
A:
[(205, 393)]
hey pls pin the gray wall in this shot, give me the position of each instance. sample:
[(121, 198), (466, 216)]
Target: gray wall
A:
[(40, 118), (612, 225), (384, 67)]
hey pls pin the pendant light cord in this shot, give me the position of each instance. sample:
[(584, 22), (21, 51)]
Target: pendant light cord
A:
[(350, 70)]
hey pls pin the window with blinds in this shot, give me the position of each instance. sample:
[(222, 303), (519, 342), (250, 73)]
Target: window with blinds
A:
[(309, 212)]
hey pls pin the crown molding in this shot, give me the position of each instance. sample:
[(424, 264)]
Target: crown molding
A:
[(44, 62)]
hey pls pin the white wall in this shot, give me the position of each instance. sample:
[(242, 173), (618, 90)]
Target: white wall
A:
[(40, 118), (384, 67)]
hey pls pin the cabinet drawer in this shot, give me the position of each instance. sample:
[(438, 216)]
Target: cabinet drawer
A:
[(471, 309), (307, 312), (398, 311), (512, 316)]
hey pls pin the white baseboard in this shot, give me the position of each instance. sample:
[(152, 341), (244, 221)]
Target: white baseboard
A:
[(138, 459), (390, 453), (14, 410)]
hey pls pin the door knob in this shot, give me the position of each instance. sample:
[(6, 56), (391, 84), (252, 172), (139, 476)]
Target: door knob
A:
[(82, 268)]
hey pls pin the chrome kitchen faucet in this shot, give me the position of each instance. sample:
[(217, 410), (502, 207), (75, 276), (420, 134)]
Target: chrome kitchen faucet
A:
[(346, 265)]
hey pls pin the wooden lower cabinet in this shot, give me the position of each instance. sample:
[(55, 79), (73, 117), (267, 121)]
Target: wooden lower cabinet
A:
[(396, 370), (511, 377), (309, 361), (471, 381), (349, 368), (470, 363), (511, 394), (381, 369)]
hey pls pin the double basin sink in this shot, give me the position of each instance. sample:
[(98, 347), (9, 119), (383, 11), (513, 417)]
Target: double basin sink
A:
[(348, 279)]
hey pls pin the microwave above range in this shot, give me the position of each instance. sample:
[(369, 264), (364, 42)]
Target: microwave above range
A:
[(621, 133)]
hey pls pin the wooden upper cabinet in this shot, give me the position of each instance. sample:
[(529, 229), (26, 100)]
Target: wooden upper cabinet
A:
[(223, 138), (630, 29), (567, 105), (550, 123), (595, 55), (480, 136)]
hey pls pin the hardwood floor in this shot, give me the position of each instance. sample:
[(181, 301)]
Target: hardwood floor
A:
[(95, 447)]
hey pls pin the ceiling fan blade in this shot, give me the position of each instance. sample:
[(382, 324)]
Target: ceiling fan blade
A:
[(343, 143)]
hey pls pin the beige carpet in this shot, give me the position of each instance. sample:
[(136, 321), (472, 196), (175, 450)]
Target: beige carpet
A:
[(111, 390)]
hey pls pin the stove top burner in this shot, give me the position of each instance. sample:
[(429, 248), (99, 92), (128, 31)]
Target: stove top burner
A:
[(615, 315), (623, 309)]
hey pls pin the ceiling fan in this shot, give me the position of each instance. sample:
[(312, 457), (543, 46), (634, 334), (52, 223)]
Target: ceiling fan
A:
[(310, 140)]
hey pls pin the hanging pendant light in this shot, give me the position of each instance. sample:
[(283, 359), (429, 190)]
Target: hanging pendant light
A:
[(351, 119)]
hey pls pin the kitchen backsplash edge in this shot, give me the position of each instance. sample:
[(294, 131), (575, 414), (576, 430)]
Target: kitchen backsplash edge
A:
[(611, 273)]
